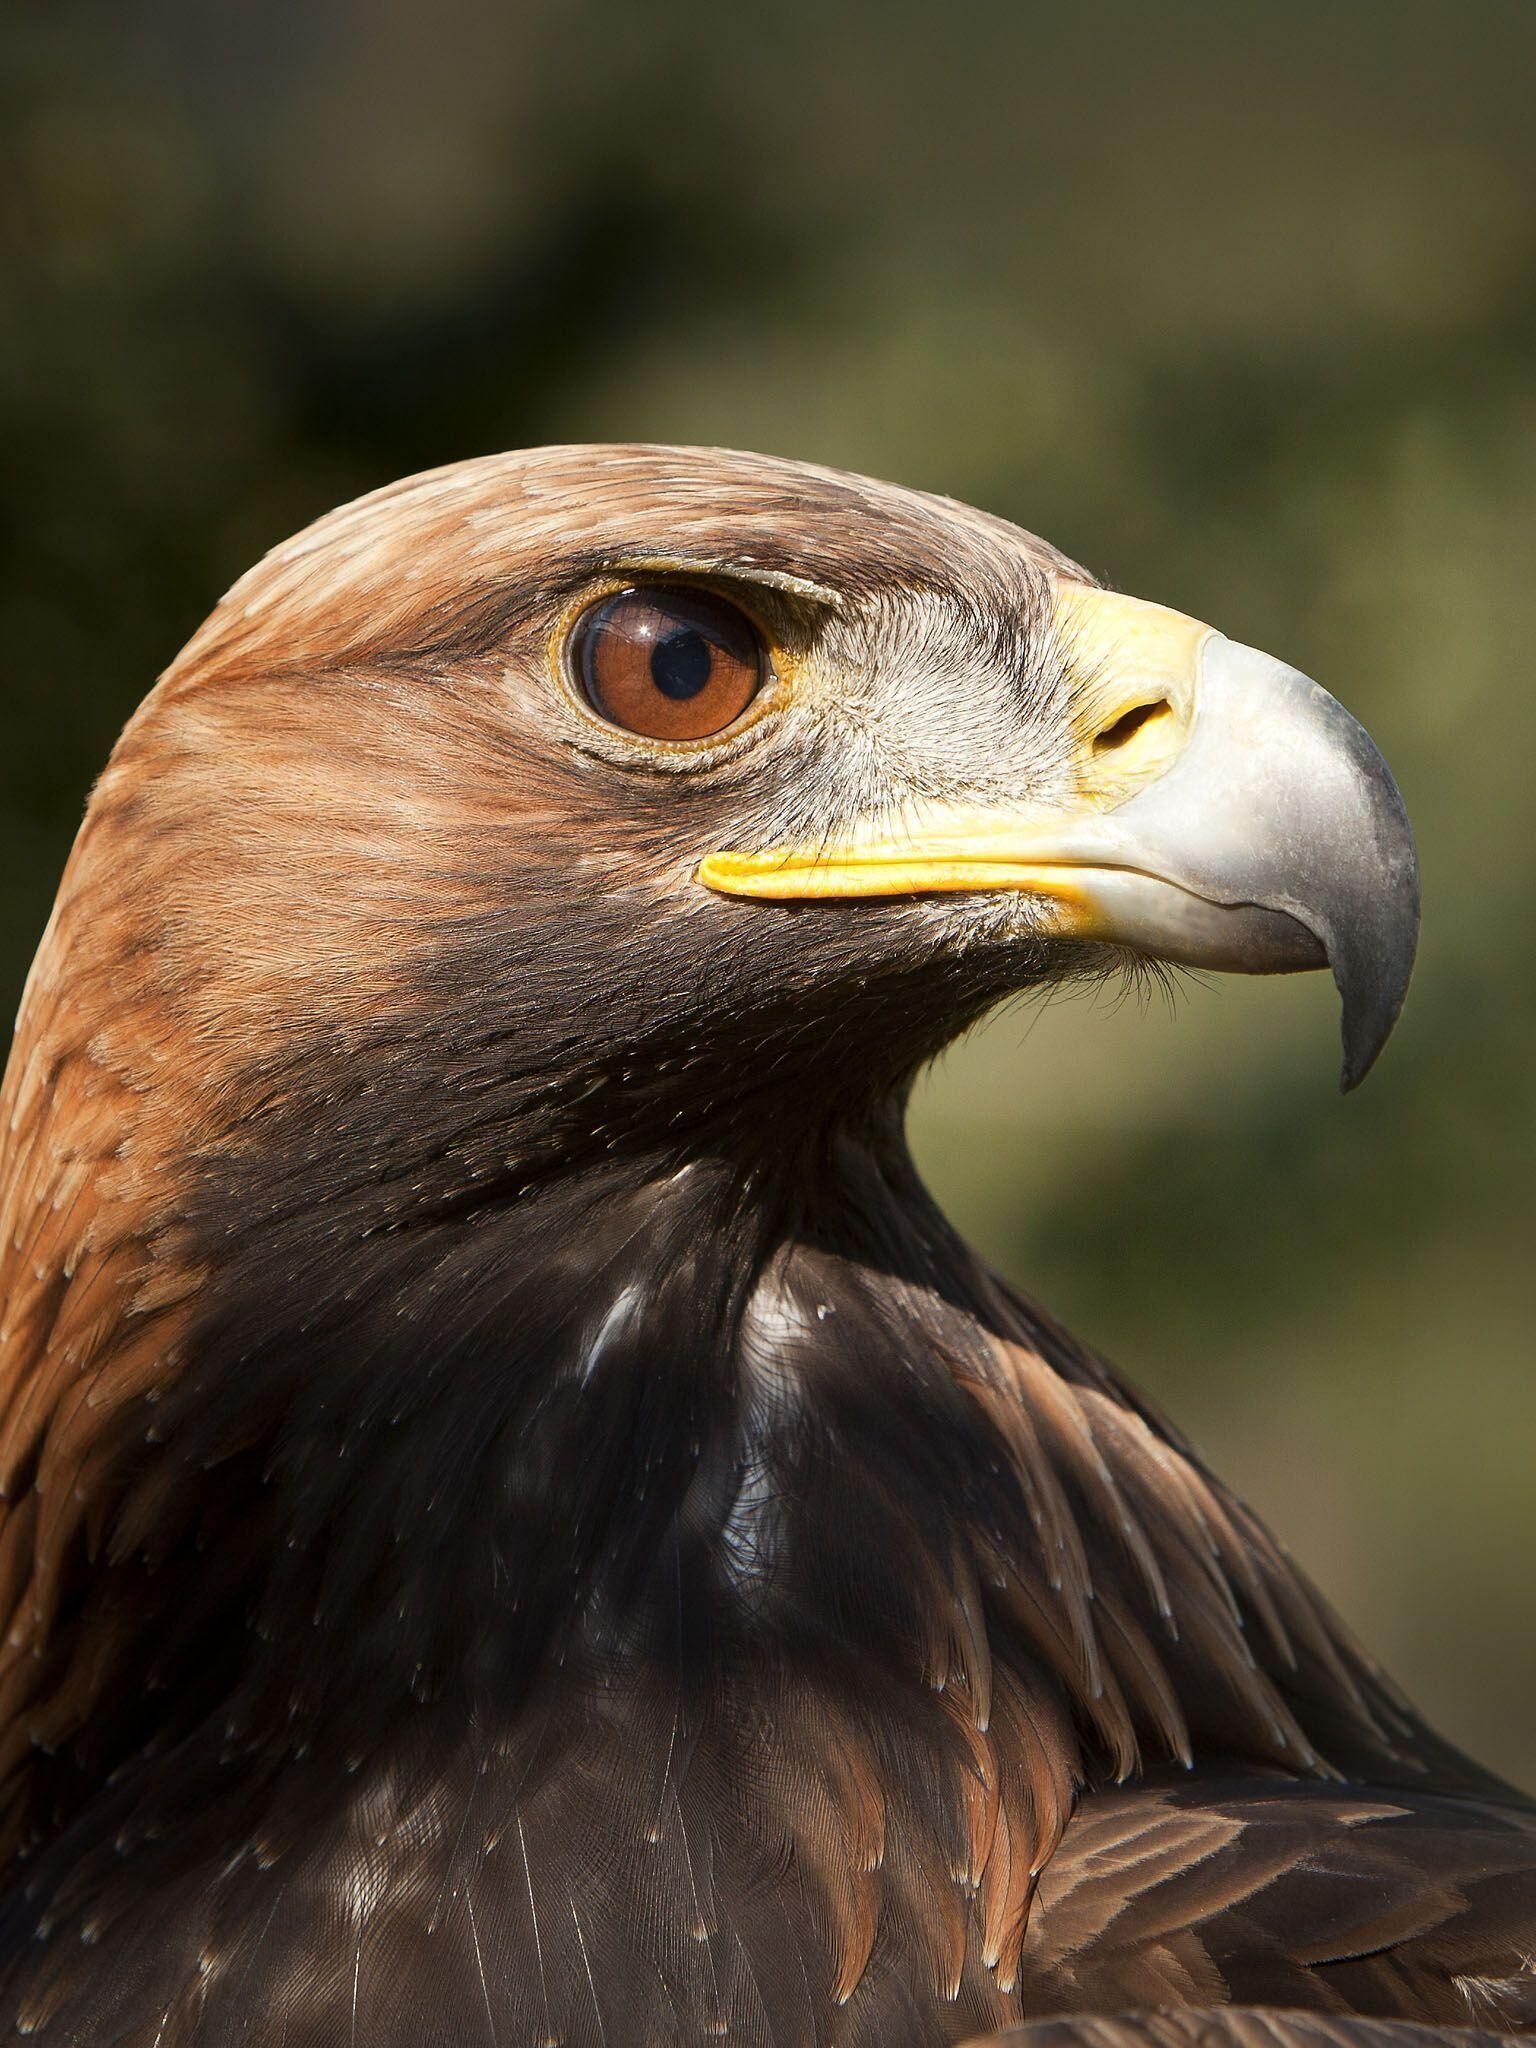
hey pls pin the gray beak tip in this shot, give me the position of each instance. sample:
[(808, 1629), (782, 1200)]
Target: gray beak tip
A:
[(1360, 1053), (1373, 966), (1339, 857), (1372, 1007)]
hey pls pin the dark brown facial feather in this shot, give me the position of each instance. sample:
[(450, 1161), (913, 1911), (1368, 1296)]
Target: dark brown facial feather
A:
[(522, 1521)]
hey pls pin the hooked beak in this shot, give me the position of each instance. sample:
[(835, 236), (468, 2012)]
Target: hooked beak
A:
[(1230, 815)]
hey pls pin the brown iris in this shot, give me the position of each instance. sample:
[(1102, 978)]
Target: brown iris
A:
[(668, 662)]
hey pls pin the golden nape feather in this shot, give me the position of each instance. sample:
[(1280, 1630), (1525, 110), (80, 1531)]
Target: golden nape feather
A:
[(521, 1521)]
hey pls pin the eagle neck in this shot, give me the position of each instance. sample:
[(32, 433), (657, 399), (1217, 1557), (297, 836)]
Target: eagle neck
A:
[(548, 1518)]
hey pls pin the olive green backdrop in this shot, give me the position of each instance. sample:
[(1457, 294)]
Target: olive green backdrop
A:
[(1235, 302)]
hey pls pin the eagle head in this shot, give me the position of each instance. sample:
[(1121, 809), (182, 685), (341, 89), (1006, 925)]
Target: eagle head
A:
[(676, 782)]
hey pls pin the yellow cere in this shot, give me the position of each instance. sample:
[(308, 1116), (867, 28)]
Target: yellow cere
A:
[(1129, 639), (1134, 669)]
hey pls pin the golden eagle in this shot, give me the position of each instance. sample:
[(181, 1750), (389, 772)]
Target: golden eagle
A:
[(522, 1524)]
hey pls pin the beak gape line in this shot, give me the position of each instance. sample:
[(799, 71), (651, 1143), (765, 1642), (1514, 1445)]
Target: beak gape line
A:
[(1231, 815)]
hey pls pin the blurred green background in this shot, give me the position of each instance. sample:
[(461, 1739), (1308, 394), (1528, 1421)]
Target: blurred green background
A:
[(1237, 303)]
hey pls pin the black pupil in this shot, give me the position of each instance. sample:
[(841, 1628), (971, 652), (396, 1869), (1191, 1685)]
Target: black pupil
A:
[(681, 664)]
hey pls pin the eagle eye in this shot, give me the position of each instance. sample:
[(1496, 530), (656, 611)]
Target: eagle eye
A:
[(668, 662)]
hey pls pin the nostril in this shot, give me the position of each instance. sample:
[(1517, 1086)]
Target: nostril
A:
[(1131, 722)]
